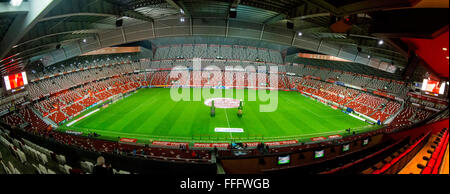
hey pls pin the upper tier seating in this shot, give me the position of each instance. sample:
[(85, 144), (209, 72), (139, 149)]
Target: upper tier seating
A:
[(378, 84), (227, 52)]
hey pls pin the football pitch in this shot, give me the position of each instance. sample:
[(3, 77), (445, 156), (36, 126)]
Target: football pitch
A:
[(151, 114)]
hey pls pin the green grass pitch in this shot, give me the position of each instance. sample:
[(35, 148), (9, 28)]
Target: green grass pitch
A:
[(151, 114)]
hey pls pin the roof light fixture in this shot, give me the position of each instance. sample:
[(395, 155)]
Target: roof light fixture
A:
[(16, 3)]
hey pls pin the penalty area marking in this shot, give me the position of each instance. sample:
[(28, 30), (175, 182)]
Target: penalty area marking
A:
[(229, 130), (79, 119)]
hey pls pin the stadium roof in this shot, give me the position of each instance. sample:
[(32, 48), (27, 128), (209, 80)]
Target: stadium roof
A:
[(39, 28), (434, 52)]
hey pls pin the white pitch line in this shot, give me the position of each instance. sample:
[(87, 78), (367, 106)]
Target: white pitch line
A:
[(228, 122), (81, 118)]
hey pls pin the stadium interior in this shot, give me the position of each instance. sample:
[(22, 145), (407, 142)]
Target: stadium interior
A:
[(363, 86)]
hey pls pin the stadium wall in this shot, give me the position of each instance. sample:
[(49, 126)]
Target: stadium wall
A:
[(421, 130), (268, 163)]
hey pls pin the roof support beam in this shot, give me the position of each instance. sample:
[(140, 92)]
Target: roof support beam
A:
[(95, 8), (301, 12), (178, 6), (23, 23), (235, 3), (136, 15), (173, 4), (312, 16), (370, 6), (87, 32), (46, 29), (128, 13), (50, 45), (323, 5), (275, 19), (6, 8), (76, 14), (186, 11)]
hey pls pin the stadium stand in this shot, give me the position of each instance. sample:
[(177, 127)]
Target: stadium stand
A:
[(393, 164), (350, 101), (35, 122), (62, 97), (375, 107), (435, 160), (419, 159), (420, 156)]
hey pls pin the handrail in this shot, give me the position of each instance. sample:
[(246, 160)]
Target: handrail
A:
[(401, 156)]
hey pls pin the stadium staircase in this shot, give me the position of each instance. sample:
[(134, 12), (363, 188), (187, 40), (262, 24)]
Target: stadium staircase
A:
[(64, 113), (45, 119), (285, 81), (96, 98), (359, 94), (288, 84), (22, 120), (151, 79), (40, 107), (42, 89), (147, 76), (220, 169), (339, 100), (376, 110), (219, 166), (411, 119), (392, 117), (167, 79)]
